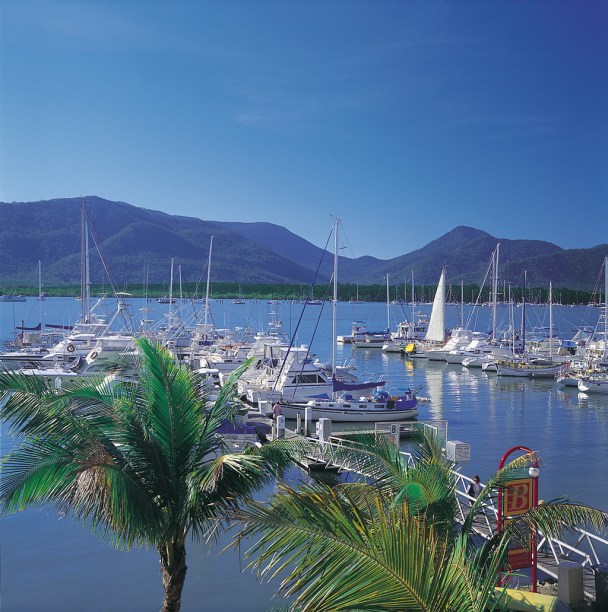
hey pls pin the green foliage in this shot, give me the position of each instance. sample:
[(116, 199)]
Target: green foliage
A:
[(389, 541), (301, 292), (137, 461)]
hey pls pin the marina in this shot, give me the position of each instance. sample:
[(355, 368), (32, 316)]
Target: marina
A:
[(569, 429)]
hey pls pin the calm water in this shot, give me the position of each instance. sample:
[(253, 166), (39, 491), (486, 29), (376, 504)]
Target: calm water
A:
[(52, 564)]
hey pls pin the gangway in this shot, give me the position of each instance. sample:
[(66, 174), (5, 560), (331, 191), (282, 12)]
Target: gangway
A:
[(586, 548)]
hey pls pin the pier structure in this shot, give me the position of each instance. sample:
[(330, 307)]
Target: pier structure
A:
[(580, 547)]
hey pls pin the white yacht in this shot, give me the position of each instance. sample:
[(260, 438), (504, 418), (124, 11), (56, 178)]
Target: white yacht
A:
[(459, 339)]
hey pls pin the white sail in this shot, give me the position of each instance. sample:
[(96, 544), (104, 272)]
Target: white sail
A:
[(436, 329)]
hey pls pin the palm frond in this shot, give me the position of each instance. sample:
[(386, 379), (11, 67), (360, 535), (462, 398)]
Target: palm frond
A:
[(338, 555)]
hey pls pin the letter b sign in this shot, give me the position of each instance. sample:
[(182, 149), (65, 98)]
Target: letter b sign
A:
[(517, 498)]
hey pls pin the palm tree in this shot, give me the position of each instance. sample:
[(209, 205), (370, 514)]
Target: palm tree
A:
[(390, 541), (139, 462)]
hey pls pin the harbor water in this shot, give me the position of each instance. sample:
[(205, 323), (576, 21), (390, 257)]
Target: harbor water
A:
[(55, 564)]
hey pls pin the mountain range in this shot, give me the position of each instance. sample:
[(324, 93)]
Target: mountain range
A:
[(138, 244)]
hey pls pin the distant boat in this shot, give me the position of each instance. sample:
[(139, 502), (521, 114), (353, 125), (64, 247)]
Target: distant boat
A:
[(12, 298), (165, 300), (240, 299), (356, 300)]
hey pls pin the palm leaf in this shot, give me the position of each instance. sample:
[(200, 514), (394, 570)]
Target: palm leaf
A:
[(336, 558)]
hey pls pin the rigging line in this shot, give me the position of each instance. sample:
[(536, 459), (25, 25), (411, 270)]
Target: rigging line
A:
[(480, 293), (295, 333), (127, 318), (314, 331)]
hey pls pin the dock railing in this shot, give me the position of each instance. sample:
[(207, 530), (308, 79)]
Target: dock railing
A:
[(580, 545), (585, 547)]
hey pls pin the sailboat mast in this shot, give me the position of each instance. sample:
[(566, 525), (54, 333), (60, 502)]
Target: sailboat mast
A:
[(511, 322), (495, 291), (84, 266), (388, 305), (523, 313), (462, 300), (605, 307), (181, 295), (171, 294), (40, 293), (334, 304), (87, 269), (550, 320), (413, 303), (207, 290)]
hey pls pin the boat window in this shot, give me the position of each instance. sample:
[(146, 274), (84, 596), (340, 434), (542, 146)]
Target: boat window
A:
[(307, 379)]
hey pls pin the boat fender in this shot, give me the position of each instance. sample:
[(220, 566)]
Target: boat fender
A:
[(70, 348), (93, 355)]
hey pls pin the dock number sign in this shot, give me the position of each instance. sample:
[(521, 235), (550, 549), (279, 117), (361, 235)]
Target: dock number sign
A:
[(518, 497)]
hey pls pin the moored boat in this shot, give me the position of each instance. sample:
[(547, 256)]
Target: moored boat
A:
[(594, 384), (377, 408)]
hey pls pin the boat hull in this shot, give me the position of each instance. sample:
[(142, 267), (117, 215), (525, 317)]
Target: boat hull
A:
[(350, 415), (593, 386), (527, 371), (353, 411)]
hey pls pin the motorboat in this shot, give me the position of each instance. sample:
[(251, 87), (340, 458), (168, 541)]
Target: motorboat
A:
[(479, 346), (359, 336), (459, 339)]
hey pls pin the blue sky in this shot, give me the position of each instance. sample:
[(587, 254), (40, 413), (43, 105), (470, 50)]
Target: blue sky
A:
[(403, 118)]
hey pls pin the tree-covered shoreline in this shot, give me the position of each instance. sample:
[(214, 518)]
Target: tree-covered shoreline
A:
[(469, 294)]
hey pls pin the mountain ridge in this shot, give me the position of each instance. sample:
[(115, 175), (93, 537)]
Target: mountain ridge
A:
[(138, 243)]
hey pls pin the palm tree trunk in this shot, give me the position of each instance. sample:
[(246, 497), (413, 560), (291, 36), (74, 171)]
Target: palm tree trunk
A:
[(173, 571)]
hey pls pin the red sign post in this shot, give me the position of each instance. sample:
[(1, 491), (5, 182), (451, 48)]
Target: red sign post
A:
[(516, 497)]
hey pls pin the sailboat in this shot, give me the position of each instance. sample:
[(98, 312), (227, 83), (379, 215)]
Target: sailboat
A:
[(459, 337), (598, 382), (408, 332), (380, 406), (79, 350), (240, 299), (376, 339), (534, 365), (356, 300), (435, 333)]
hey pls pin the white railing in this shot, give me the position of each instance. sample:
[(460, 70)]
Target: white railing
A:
[(587, 548)]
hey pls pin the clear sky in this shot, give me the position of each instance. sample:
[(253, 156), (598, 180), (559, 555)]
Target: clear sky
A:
[(403, 118)]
